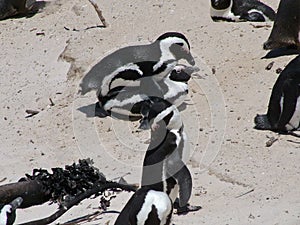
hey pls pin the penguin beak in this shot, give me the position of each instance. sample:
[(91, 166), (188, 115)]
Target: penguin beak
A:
[(190, 59)]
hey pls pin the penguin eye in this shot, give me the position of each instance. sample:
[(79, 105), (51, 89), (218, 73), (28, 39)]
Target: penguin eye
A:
[(180, 44)]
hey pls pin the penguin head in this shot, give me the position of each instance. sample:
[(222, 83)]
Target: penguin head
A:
[(160, 114), (177, 44), (220, 4)]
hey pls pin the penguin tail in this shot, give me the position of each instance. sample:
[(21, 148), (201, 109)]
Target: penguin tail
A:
[(262, 122)]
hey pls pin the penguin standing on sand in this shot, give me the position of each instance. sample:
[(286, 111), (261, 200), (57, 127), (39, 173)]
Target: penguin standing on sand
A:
[(241, 10), (120, 101), (164, 166), (146, 207), (8, 211), (284, 106), (165, 175), (286, 28), (127, 66)]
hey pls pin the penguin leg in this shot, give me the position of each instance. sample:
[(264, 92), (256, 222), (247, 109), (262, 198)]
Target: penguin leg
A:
[(290, 95), (184, 181), (183, 178)]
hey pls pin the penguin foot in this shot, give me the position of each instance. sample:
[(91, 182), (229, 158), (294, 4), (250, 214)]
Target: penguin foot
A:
[(185, 209), (262, 122), (100, 112)]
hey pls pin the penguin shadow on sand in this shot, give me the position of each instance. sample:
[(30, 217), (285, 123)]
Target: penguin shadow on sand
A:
[(284, 38), (20, 8), (166, 180)]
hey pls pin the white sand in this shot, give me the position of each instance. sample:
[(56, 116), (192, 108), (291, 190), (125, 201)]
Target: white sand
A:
[(229, 156)]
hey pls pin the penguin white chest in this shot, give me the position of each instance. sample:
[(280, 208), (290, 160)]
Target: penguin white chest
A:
[(176, 90), (294, 121), (3, 214), (162, 204)]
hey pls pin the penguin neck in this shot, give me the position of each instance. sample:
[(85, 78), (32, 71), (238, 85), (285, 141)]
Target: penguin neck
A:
[(166, 63)]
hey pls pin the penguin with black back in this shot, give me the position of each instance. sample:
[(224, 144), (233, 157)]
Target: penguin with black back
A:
[(164, 167), (241, 10), (120, 101), (283, 114), (286, 29), (8, 211), (127, 66)]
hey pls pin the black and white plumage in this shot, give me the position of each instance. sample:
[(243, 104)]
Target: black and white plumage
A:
[(8, 211), (10, 8), (284, 106), (146, 207), (164, 166), (126, 66), (241, 10), (286, 28), (120, 101)]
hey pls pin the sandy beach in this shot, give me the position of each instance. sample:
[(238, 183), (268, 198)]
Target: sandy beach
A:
[(237, 179)]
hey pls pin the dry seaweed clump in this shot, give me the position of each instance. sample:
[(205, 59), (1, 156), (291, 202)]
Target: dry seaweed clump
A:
[(66, 183)]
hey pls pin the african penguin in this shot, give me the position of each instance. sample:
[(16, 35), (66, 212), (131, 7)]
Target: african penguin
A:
[(284, 106), (241, 10), (10, 8), (126, 66), (286, 28), (13, 8), (8, 211), (146, 207), (120, 101), (164, 167)]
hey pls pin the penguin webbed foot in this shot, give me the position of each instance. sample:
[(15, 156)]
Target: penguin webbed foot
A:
[(262, 122), (185, 209), (100, 111)]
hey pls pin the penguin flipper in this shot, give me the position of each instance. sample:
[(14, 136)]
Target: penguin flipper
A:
[(184, 181), (253, 16), (290, 93)]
